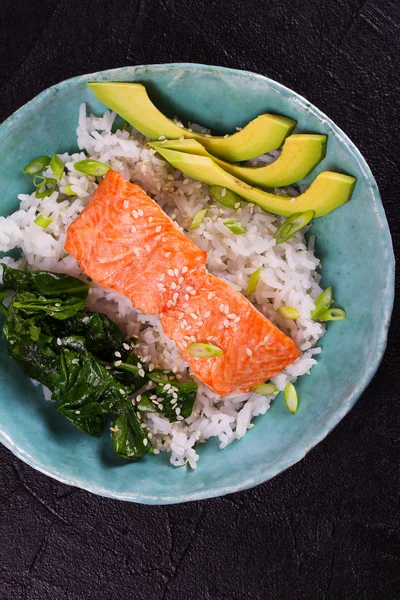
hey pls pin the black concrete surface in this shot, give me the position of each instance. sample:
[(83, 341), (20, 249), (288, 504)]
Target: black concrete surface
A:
[(328, 528)]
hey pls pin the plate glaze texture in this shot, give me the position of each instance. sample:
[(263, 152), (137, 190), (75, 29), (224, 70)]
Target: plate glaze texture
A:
[(353, 243)]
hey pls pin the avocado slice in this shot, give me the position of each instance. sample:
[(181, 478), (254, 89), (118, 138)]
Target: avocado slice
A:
[(131, 102), (300, 154), (328, 191)]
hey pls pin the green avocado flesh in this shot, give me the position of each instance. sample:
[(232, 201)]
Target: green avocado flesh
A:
[(131, 102), (300, 154), (328, 191)]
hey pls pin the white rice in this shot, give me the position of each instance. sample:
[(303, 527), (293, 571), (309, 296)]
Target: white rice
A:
[(288, 274)]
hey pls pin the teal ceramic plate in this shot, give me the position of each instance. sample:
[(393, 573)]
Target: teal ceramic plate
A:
[(353, 243)]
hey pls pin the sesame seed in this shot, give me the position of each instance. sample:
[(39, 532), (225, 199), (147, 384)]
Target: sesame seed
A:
[(179, 418), (249, 352), (151, 367), (200, 323), (141, 373), (139, 365), (150, 219), (138, 397), (210, 295), (194, 316), (75, 361), (178, 411), (180, 280), (126, 204), (207, 314), (292, 200), (117, 363), (117, 354), (223, 192), (188, 288), (170, 272), (208, 135), (186, 337), (149, 435), (181, 315), (136, 251), (77, 412), (162, 137), (59, 341), (237, 320), (176, 272), (156, 451), (226, 309), (135, 214), (175, 296), (237, 205), (182, 325), (173, 285), (192, 292), (145, 442), (57, 304), (162, 276), (126, 346), (167, 254), (232, 316), (141, 214), (158, 229), (160, 286), (222, 307), (184, 269), (169, 304), (121, 391), (226, 323), (182, 138), (186, 296)]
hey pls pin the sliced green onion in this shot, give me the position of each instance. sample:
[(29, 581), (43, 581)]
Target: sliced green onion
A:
[(204, 350), (323, 302), (198, 218), (333, 314), (235, 226), (47, 187), (288, 312), (57, 166), (36, 165), (224, 196), (291, 399), (38, 181), (292, 225), (68, 191), (253, 280), (265, 389), (43, 221), (90, 166)]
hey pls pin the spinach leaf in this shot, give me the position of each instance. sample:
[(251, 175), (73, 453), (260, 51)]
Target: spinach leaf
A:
[(57, 308), (3, 309), (128, 436), (44, 283), (170, 393), (131, 372), (102, 336)]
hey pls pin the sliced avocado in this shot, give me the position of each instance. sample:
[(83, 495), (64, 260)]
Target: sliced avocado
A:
[(328, 191), (300, 154), (131, 102)]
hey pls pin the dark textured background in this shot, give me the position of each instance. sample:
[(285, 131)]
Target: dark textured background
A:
[(329, 527)]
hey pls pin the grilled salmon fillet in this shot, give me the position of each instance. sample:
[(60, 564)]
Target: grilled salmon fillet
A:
[(125, 242)]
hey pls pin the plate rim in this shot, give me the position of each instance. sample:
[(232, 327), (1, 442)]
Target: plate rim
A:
[(381, 331)]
